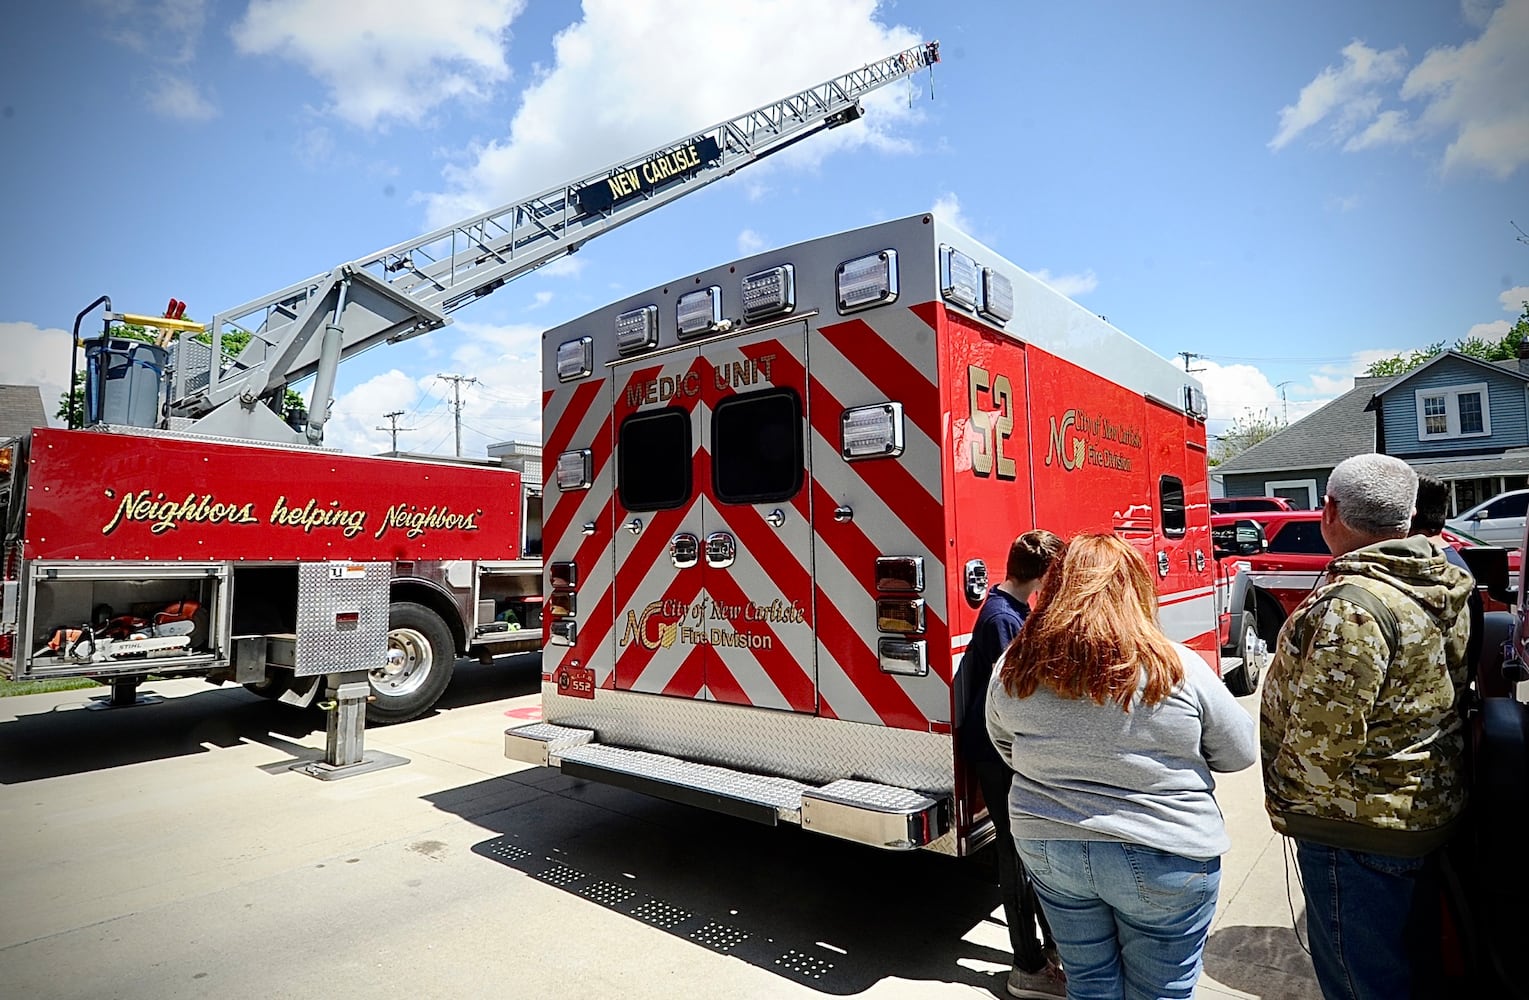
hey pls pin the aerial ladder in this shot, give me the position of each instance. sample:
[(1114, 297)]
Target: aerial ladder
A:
[(411, 288)]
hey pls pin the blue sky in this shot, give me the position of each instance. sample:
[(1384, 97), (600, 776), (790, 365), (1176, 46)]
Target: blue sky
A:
[(1287, 190)]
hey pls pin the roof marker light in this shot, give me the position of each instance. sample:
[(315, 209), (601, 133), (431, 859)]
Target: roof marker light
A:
[(637, 330), (698, 312), (960, 280), (867, 281), (769, 293), (575, 359), (997, 297)]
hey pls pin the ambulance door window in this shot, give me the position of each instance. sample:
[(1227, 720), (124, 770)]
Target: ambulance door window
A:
[(653, 460), (1170, 496), (758, 454)]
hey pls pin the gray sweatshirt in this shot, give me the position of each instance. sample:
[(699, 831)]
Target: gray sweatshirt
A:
[(1084, 771)]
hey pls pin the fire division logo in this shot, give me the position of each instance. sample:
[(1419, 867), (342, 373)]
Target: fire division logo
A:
[(1077, 440), (708, 622)]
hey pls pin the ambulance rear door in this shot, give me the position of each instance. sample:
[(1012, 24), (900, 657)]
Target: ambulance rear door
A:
[(714, 540)]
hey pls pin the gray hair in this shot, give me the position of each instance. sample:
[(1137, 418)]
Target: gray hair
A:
[(1375, 493)]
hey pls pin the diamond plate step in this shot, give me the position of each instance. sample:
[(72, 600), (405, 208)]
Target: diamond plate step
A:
[(868, 813), (540, 742)]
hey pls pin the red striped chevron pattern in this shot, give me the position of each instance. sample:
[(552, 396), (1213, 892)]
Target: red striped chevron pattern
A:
[(790, 624)]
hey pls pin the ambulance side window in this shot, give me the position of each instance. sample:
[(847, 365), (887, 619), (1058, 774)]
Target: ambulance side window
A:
[(653, 460), (1170, 498), (757, 451)]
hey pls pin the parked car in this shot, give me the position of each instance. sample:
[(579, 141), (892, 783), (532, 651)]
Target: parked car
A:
[(1498, 521), (1239, 505)]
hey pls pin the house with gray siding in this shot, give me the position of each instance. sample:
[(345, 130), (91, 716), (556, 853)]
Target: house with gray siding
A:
[(1457, 418), (21, 409)]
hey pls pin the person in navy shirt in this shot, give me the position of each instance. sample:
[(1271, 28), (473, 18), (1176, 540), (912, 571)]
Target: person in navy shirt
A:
[(1036, 972)]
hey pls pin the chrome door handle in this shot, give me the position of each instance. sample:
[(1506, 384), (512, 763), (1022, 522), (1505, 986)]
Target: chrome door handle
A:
[(776, 517), (635, 526)]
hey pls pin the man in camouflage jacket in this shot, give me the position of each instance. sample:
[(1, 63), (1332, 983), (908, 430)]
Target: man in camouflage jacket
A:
[(1361, 738)]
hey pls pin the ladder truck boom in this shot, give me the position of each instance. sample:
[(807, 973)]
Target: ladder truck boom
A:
[(410, 288)]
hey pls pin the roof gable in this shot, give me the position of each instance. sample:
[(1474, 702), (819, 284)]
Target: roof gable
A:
[(1442, 356)]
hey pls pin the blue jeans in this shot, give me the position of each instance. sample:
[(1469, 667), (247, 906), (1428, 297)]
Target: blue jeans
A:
[(1368, 917), (1129, 921)]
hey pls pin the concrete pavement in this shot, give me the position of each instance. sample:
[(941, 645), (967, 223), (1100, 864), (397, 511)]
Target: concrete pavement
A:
[(170, 851)]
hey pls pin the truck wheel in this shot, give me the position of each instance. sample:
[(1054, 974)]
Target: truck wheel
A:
[(418, 665), (1244, 680)]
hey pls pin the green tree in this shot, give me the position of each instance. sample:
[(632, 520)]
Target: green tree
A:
[(1504, 349), (71, 404), (1243, 433)]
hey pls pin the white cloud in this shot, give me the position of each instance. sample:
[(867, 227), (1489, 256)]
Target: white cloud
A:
[(179, 98), (1474, 95), (1495, 330), (1070, 285), (1479, 93), (948, 207), (1514, 298), (165, 35), (615, 74), (1235, 390), (37, 357), (503, 404), (383, 60), (541, 299), (566, 266), (750, 241), (167, 30), (1346, 95)]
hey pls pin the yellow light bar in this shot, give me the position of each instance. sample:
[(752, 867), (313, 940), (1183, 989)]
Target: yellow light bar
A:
[(900, 614), (161, 322)]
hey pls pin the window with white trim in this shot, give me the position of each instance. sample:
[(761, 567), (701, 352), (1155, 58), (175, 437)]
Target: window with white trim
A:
[(1458, 411)]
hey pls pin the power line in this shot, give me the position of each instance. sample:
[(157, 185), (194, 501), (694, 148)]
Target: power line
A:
[(1189, 356), (394, 429), (457, 381)]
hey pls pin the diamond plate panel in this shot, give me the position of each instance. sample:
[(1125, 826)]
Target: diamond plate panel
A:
[(329, 640), (882, 797), (780, 793), (802, 747)]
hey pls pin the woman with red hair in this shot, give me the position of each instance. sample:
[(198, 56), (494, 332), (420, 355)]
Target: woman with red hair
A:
[(1112, 730)]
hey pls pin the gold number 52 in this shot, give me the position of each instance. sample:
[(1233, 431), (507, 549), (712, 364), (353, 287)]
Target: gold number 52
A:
[(986, 449)]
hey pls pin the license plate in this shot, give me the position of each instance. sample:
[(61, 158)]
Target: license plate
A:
[(576, 682)]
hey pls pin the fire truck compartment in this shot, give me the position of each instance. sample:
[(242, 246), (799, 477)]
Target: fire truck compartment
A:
[(884, 816), (81, 598)]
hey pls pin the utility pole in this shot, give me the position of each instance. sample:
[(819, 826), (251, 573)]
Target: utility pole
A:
[(456, 406), (393, 419), (1189, 356)]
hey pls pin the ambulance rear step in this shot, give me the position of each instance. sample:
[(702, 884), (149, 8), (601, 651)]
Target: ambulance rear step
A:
[(885, 816)]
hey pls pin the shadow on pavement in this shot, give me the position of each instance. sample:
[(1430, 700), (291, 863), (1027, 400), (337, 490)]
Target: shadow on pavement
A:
[(67, 739), (70, 740), (835, 916), (1267, 962)]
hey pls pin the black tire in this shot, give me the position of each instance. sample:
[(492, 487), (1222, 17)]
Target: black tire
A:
[(276, 684), (1244, 680), (418, 666)]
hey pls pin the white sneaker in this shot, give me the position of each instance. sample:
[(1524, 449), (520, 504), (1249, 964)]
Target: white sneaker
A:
[(1047, 984)]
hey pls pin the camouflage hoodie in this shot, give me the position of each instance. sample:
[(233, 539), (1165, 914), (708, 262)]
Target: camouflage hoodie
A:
[(1362, 743)]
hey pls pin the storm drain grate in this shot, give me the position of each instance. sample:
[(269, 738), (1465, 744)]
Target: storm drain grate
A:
[(803, 964), (508, 851), (661, 914), (607, 893), (560, 875), (719, 937)]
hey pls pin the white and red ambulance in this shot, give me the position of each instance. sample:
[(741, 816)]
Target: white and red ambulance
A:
[(778, 491)]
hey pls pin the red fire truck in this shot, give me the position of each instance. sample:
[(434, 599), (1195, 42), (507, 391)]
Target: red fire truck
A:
[(191, 530), (778, 491)]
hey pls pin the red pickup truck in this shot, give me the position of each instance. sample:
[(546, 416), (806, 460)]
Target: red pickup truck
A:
[(1266, 564)]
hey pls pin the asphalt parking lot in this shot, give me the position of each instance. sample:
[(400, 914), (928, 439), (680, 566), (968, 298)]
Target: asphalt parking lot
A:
[(170, 850)]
